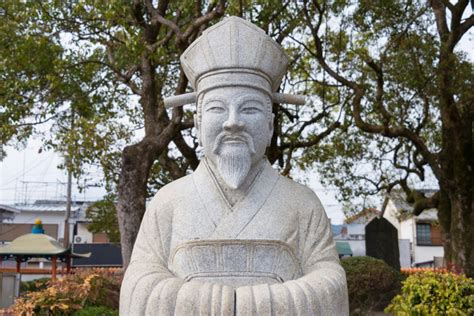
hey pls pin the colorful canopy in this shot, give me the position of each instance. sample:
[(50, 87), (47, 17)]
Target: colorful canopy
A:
[(37, 245)]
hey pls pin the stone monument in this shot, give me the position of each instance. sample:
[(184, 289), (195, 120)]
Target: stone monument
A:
[(234, 237), (381, 241)]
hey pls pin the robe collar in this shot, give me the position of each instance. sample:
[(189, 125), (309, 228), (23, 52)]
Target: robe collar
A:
[(229, 221)]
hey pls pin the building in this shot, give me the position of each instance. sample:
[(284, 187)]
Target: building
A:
[(354, 236), (19, 219), (422, 234)]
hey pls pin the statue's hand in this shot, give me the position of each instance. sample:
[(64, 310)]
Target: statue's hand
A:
[(205, 299)]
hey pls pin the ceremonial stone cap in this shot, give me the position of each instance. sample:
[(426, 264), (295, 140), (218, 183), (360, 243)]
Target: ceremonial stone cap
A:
[(235, 45), (234, 52)]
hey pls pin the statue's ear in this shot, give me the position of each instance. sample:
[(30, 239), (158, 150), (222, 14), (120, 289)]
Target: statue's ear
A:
[(198, 130), (270, 129)]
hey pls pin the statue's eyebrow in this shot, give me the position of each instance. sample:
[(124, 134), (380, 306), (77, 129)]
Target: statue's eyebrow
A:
[(250, 97), (213, 99)]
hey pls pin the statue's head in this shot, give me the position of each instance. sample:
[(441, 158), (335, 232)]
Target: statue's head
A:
[(235, 125), (235, 69)]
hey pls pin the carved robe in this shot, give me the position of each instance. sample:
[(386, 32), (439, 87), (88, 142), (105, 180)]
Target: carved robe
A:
[(270, 254)]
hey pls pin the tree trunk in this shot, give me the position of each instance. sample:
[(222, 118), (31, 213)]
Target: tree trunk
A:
[(456, 180), (137, 160), (456, 218)]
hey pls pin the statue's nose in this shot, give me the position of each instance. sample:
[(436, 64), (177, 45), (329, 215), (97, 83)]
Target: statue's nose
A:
[(233, 123)]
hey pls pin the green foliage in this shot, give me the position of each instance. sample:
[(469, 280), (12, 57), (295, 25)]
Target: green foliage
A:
[(371, 284), (70, 294), (86, 75), (55, 84), (96, 310), (392, 50), (103, 217), (431, 293), (34, 285)]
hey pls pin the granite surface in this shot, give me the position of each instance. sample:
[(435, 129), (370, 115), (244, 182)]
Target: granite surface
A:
[(234, 237)]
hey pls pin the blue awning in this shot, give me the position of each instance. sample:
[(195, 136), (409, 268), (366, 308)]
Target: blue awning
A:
[(343, 248)]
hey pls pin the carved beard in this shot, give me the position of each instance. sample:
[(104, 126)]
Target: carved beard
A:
[(234, 160)]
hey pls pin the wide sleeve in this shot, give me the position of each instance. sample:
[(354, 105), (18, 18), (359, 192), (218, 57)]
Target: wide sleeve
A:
[(150, 288), (322, 290)]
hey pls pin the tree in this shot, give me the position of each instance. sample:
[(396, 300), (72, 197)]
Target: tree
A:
[(116, 52), (103, 217), (410, 108), (106, 67), (391, 104)]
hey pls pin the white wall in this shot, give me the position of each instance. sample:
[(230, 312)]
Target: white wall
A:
[(404, 247), (407, 229), (83, 232), (427, 253), (390, 214), (357, 246)]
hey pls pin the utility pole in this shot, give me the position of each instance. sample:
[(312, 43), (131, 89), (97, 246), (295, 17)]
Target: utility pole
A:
[(69, 191), (68, 207)]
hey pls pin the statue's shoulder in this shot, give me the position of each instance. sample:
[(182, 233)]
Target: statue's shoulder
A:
[(175, 190), (291, 187), (298, 195), (177, 187)]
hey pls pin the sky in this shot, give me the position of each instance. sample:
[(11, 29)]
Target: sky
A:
[(29, 174)]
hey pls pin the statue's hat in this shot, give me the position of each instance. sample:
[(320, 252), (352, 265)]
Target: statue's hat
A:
[(234, 52)]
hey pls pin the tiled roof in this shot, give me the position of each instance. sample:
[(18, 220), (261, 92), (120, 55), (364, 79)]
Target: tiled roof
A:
[(44, 206), (8, 208)]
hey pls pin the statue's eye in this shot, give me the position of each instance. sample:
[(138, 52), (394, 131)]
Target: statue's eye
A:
[(215, 107), (251, 110), (251, 107)]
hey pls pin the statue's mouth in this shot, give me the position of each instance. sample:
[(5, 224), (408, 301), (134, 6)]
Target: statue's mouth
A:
[(234, 140)]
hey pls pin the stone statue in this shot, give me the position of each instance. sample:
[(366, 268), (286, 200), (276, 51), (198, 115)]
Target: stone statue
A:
[(234, 237)]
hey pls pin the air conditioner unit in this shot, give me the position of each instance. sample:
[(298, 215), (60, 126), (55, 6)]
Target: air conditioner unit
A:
[(79, 239)]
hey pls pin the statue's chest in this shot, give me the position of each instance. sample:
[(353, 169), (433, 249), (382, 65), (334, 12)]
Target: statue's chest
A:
[(236, 262), (202, 222)]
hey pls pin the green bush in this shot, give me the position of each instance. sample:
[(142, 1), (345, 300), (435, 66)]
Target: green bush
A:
[(430, 293), (34, 285), (96, 310), (371, 284)]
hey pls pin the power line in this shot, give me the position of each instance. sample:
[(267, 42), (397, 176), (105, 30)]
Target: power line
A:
[(24, 172)]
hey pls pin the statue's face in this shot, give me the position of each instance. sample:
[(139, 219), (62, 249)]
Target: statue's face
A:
[(236, 126)]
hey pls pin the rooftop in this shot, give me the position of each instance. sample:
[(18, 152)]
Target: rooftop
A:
[(43, 206)]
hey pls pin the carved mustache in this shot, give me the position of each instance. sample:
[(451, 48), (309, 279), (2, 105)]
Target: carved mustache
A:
[(226, 136)]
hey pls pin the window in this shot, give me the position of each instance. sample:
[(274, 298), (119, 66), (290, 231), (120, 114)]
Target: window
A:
[(428, 235), (423, 234)]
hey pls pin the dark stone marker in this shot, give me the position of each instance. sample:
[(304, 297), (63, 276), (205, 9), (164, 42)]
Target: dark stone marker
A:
[(381, 242)]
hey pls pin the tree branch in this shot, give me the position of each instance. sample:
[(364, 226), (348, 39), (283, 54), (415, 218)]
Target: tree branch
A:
[(202, 20), (314, 140), (419, 200), (124, 78), (188, 152), (439, 10)]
